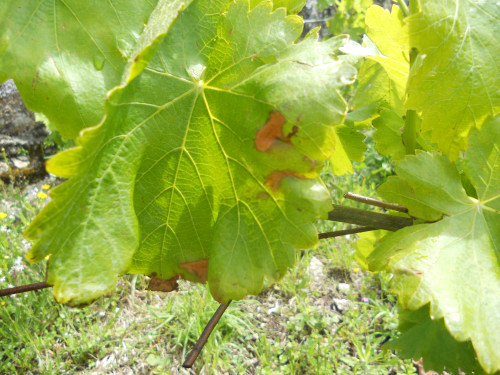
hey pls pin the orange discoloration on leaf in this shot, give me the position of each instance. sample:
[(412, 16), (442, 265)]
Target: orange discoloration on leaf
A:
[(199, 268), (159, 285), (272, 130), (274, 180)]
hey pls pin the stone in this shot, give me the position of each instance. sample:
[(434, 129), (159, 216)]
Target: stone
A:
[(316, 270), (341, 304), (21, 138), (314, 18), (344, 288)]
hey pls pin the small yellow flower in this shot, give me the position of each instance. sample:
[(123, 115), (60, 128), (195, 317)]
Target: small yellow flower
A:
[(356, 270), (41, 195), (45, 187), (3, 215), (2, 303)]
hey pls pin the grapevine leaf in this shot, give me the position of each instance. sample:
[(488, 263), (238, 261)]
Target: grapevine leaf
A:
[(453, 264), (365, 244), (388, 31), (65, 56), (429, 339), (387, 136), (433, 187), (375, 89), (349, 146), (176, 174), (454, 81), (292, 6)]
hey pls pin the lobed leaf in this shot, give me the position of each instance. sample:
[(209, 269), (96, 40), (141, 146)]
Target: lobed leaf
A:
[(454, 81), (64, 56), (453, 264), (176, 175), (429, 339), (389, 32)]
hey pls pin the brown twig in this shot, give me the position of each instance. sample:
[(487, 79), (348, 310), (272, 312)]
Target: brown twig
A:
[(368, 218), (23, 288), (345, 232), (375, 202), (191, 357)]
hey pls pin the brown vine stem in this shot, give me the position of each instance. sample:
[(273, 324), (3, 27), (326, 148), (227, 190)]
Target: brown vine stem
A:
[(191, 357), (375, 202), (23, 288), (345, 232), (368, 218)]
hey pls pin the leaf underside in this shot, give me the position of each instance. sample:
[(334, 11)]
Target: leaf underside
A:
[(174, 174)]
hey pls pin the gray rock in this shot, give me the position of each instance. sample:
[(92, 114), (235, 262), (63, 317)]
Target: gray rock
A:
[(15, 118), (21, 137), (341, 304), (316, 270), (314, 18), (344, 288)]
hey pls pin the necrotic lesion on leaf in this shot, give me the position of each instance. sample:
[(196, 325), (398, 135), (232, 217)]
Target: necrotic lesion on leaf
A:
[(272, 130)]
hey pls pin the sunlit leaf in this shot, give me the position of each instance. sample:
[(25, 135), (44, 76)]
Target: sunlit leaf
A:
[(454, 263), (181, 170), (454, 81)]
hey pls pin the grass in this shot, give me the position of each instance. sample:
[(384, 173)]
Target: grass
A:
[(292, 327)]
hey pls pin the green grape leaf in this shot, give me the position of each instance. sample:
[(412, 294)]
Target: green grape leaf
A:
[(211, 155), (387, 136), (390, 34), (375, 89), (454, 263), (349, 146), (365, 245), (65, 56), (429, 339), (292, 6), (454, 81)]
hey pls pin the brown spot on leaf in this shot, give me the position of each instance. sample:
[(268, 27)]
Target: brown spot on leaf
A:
[(199, 268), (294, 131), (272, 130), (159, 285), (274, 180)]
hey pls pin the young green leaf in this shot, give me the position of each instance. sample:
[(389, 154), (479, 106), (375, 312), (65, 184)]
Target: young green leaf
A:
[(453, 264), (178, 174)]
